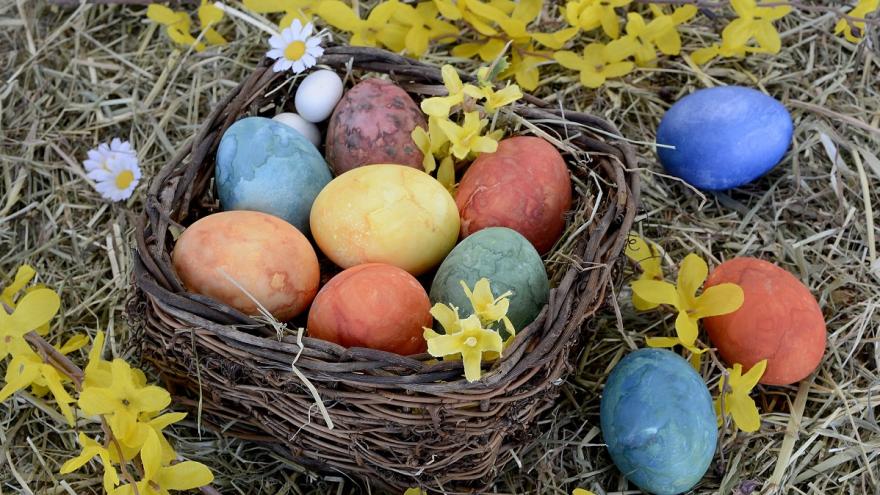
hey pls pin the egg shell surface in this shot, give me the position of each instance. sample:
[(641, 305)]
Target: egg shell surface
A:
[(508, 260), (317, 95), (267, 256), (374, 305), (385, 214), (779, 320), (309, 130), (724, 137), (524, 185), (373, 124), (658, 421), (266, 166)]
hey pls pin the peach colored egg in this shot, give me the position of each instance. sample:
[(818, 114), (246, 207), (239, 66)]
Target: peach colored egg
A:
[(385, 214), (373, 123), (523, 186), (779, 320), (374, 305), (267, 256)]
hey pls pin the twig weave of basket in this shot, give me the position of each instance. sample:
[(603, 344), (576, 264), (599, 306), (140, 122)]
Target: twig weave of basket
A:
[(399, 421)]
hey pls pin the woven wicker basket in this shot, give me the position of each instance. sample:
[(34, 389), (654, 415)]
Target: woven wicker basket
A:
[(398, 421)]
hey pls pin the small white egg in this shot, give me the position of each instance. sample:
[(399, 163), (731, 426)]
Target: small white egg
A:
[(318, 95), (309, 130)]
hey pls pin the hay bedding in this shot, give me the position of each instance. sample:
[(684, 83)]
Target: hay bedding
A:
[(73, 77)]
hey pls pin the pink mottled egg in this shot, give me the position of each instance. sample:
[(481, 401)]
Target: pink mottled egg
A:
[(267, 256), (523, 186), (374, 305), (779, 321), (373, 123)]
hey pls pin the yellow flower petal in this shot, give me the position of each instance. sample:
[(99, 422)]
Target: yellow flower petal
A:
[(447, 316), (339, 15), (569, 60), (185, 476), (209, 14), (446, 174), (745, 413), (74, 343), (751, 378), (23, 276), (36, 308), (610, 24), (686, 328), (663, 342), (20, 372), (691, 275), (737, 33), (767, 37), (423, 142), (62, 398), (471, 359), (555, 40), (718, 300), (703, 55), (162, 14), (618, 69), (656, 292)]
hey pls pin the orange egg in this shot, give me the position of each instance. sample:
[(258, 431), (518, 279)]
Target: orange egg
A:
[(523, 186), (373, 305), (779, 320), (267, 256)]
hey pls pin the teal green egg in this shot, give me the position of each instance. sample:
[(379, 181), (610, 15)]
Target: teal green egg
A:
[(266, 166), (508, 260)]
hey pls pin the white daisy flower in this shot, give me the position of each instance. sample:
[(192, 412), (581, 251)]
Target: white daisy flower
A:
[(295, 48), (114, 168)]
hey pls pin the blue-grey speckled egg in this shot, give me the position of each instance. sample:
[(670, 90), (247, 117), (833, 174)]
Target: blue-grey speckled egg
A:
[(266, 166), (658, 421), (724, 137)]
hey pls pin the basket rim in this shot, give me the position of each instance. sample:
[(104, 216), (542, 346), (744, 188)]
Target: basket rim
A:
[(535, 346)]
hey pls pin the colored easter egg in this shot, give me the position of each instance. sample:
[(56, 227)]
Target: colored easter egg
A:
[(508, 260), (524, 186), (300, 125), (373, 123), (779, 321), (374, 305), (658, 421), (317, 95), (385, 214), (724, 137), (266, 166), (266, 256)]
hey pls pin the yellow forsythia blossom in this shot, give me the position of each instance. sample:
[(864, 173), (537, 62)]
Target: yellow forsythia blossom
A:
[(600, 62), (854, 30), (714, 301), (753, 23), (736, 401)]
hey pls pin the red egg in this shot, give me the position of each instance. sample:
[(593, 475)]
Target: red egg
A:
[(779, 320), (523, 186), (373, 305), (373, 123)]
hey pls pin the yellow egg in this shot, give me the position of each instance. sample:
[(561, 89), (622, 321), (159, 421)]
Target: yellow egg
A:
[(385, 214)]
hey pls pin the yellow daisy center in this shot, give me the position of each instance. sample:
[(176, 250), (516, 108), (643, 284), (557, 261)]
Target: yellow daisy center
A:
[(124, 179), (295, 50)]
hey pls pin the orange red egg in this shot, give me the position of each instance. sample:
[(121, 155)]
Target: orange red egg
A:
[(374, 305), (779, 320), (523, 186), (266, 256)]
